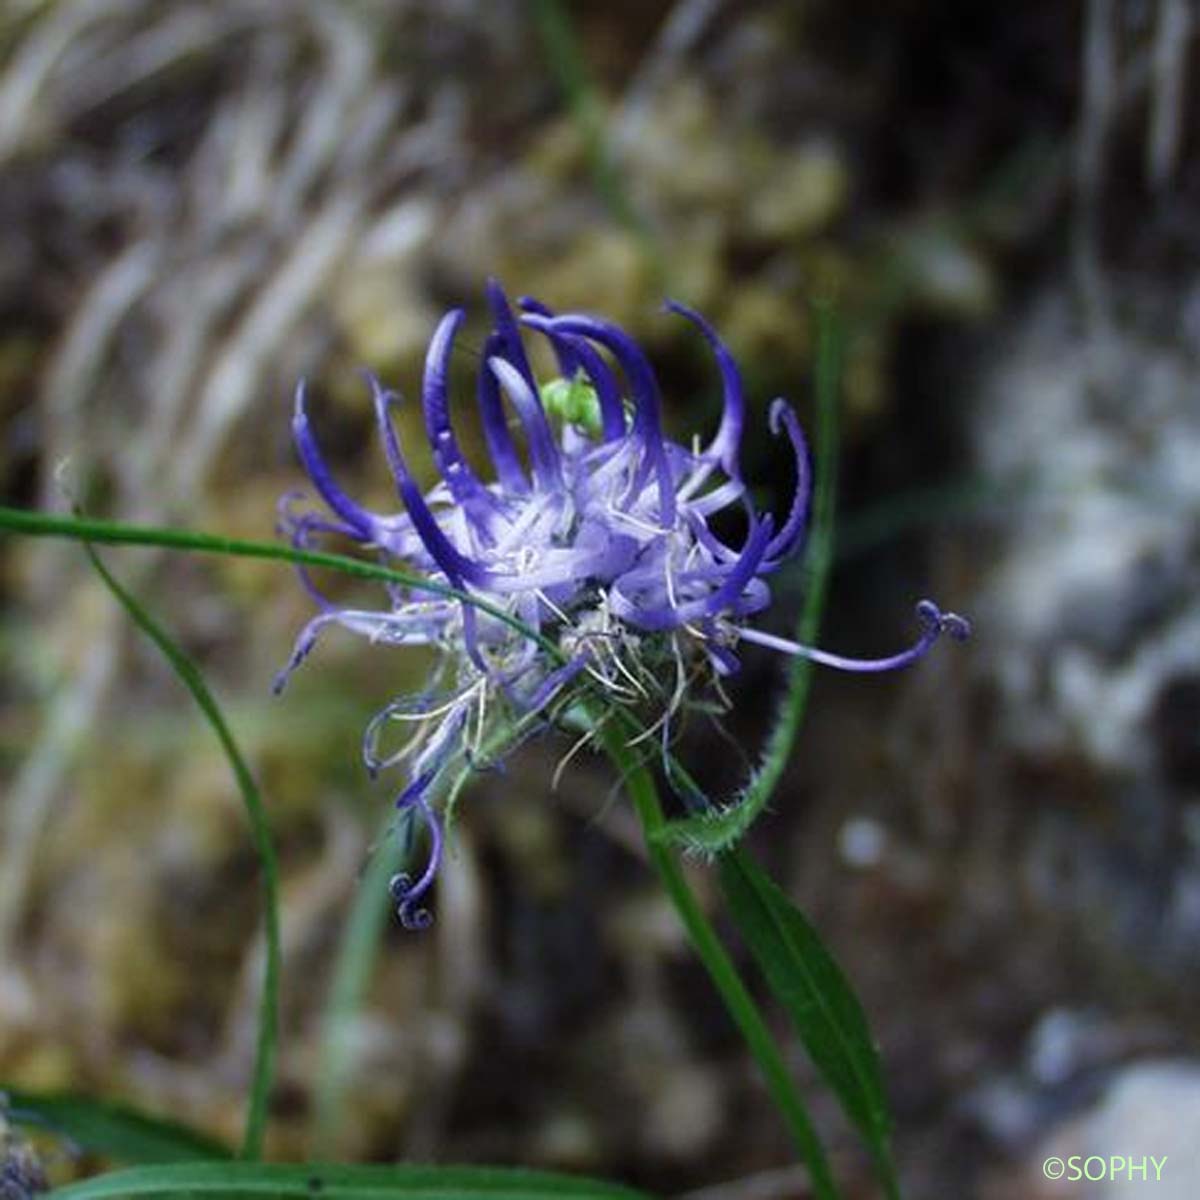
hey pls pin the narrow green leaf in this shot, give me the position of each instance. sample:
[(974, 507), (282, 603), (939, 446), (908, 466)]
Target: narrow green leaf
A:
[(810, 985), (268, 1014), (113, 1130), (358, 951), (720, 827), (639, 783), (342, 1183)]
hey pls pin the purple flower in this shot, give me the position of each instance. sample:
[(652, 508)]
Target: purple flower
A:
[(600, 539)]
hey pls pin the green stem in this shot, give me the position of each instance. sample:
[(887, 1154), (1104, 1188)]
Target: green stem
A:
[(256, 813), (565, 57), (614, 735), (38, 524)]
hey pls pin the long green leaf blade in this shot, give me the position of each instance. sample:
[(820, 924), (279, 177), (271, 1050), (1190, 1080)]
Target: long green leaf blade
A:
[(116, 1131), (342, 1183), (639, 784), (718, 828), (268, 1015), (808, 982), (358, 952)]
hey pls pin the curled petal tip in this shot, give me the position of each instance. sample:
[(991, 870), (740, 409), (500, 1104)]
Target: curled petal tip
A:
[(414, 919), (285, 504), (956, 627), (679, 308), (496, 296), (779, 411), (383, 397), (938, 622), (929, 614), (726, 446), (405, 895), (933, 621), (382, 394)]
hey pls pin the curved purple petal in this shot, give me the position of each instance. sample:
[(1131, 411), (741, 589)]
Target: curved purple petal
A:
[(456, 566), (477, 503), (790, 537), (406, 705), (712, 544), (754, 598), (509, 333), (647, 421), (661, 613), (724, 661), (719, 498), (361, 523), (495, 425), (406, 892), (543, 453), (934, 623), (297, 529), (726, 445), (420, 628), (568, 364), (739, 575)]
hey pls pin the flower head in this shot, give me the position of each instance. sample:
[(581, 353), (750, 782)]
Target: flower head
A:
[(600, 542)]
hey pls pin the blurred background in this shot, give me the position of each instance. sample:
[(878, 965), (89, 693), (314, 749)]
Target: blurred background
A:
[(202, 202)]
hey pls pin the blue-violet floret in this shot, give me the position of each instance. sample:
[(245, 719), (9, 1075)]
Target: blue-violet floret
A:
[(600, 539)]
